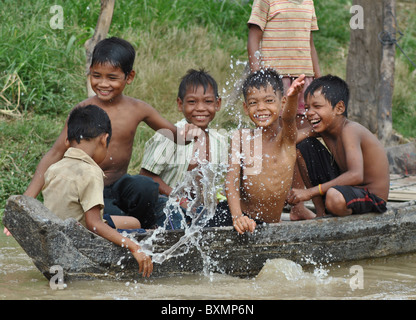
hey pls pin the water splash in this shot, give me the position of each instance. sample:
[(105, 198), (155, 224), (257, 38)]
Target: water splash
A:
[(200, 187)]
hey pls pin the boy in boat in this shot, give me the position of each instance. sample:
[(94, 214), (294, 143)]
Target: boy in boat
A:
[(167, 163), (353, 177), (256, 190), (74, 185), (124, 194)]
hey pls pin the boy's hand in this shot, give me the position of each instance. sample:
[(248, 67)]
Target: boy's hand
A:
[(243, 224), (296, 87), (298, 195), (145, 262), (190, 132), (6, 232)]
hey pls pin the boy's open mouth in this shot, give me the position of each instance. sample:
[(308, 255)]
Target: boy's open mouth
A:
[(262, 117), (201, 117), (314, 122), (104, 92)]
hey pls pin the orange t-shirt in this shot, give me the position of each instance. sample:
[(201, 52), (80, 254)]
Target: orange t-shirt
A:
[(286, 27)]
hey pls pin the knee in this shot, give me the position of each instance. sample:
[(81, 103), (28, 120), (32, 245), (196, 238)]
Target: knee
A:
[(335, 203)]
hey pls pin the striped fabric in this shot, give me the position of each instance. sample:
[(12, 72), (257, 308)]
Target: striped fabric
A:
[(286, 27), (171, 161)]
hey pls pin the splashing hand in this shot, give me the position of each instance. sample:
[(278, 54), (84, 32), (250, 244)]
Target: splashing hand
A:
[(296, 87), (243, 224), (145, 263)]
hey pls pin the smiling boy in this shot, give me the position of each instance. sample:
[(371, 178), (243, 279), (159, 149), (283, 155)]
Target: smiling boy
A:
[(353, 177), (111, 71), (167, 163), (259, 195)]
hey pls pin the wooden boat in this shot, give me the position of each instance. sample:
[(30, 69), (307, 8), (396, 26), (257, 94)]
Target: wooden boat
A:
[(81, 254)]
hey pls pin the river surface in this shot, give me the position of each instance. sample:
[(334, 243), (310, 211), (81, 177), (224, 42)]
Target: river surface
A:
[(391, 278)]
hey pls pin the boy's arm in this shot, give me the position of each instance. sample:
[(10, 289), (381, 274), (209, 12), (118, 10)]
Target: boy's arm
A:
[(98, 226), (163, 187), (315, 60), (290, 107), (178, 135), (241, 222), (54, 154), (255, 34)]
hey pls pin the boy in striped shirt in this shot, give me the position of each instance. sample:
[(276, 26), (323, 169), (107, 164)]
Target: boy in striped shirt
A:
[(166, 162)]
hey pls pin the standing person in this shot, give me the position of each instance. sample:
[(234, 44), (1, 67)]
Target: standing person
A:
[(256, 190), (353, 177), (166, 163), (74, 185), (124, 194), (280, 37)]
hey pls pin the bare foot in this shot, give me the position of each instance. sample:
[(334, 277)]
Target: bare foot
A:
[(300, 212)]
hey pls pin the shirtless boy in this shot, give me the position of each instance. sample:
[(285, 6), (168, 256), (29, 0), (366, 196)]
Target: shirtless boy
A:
[(256, 190), (111, 70), (354, 176)]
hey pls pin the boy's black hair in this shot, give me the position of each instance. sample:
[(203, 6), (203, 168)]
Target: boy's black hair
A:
[(333, 88), (263, 78), (118, 52), (195, 78), (87, 123)]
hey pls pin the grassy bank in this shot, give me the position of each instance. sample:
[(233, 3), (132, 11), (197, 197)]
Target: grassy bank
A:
[(49, 64)]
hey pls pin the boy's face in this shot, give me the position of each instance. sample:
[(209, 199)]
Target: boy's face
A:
[(320, 113), (108, 82), (199, 108), (263, 105)]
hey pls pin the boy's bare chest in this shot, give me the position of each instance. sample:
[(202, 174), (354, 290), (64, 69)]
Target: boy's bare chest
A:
[(274, 169)]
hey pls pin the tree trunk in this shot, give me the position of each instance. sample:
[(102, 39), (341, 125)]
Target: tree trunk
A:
[(386, 87), (100, 33), (370, 68)]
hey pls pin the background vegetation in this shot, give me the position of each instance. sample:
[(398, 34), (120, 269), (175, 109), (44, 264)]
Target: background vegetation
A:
[(42, 70)]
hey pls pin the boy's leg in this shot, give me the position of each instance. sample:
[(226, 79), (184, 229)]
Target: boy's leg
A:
[(300, 181), (137, 196), (346, 200), (316, 165)]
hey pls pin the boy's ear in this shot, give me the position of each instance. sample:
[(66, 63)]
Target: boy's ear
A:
[(103, 140), (130, 76), (67, 144), (283, 102), (218, 106), (180, 104), (245, 108), (340, 107)]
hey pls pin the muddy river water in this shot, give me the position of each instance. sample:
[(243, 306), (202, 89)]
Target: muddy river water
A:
[(385, 278)]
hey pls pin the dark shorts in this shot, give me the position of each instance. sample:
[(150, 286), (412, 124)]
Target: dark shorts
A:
[(322, 168), (135, 196), (360, 200)]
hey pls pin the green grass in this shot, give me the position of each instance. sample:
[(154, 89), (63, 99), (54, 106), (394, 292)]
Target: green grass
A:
[(170, 36)]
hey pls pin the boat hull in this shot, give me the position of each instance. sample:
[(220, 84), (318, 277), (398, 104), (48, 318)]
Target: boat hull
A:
[(50, 241)]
